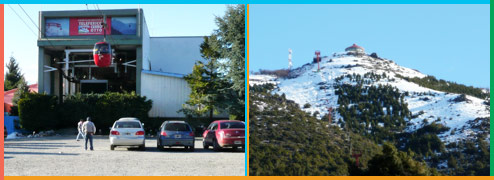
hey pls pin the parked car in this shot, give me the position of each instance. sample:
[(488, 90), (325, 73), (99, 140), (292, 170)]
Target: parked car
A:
[(127, 131), (224, 133), (175, 133)]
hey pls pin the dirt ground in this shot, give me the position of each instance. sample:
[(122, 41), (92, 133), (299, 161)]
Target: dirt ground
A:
[(64, 156)]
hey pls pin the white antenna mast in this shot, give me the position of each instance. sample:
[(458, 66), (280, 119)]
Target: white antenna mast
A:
[(289, 58)]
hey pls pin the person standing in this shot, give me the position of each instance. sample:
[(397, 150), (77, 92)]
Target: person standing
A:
[(89, 129), (79, 128)]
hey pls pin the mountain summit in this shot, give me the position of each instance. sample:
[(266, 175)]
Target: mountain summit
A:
[(463, 111)]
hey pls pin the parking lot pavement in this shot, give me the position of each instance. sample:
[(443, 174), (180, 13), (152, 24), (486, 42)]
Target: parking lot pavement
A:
[(64, 156)]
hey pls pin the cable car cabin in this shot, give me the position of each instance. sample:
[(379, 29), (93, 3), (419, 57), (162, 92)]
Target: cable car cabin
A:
[(102, 54)]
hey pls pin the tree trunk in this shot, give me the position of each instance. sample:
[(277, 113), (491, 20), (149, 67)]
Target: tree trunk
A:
[(211, 114)]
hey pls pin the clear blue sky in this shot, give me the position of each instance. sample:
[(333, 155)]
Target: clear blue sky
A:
[(162, 20), (450, 42)]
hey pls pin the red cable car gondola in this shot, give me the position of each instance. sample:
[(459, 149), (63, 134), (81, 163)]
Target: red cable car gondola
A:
[(102, 54)]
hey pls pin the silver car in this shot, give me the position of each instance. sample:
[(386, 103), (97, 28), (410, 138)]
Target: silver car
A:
[(127, 132)]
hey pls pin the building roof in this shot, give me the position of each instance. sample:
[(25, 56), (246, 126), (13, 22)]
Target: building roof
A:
[(9, 95), (354, 46)]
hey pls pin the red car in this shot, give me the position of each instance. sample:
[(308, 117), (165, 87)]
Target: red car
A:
[(224, 133)]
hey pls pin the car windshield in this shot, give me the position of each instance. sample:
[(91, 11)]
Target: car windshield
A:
[(177, 127), (127, 125), (232, 125)]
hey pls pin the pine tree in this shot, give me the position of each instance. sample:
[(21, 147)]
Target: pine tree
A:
[(395, 163), (230, 40), (207, 85), (22, 89), (13, 76)]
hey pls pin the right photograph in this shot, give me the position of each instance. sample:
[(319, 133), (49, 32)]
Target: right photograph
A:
[(369, 90)]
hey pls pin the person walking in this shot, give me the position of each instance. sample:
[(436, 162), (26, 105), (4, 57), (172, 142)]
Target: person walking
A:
[(89, 129), (79, 128)]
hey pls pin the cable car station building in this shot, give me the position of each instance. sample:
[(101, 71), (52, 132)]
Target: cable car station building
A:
[(151, 66)]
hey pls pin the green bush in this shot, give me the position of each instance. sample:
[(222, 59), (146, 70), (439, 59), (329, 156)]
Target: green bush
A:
[(37, 112), (111, 106), (104, 109)]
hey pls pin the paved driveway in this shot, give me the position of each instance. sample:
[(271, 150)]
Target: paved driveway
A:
[(64, 156)]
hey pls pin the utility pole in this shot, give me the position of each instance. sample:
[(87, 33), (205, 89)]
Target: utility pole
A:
[(289, 59), (317, 55)]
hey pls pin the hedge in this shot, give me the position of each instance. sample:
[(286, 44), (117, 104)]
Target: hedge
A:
[(38, 112), (104, 109)]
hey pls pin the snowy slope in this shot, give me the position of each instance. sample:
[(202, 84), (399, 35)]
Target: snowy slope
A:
[(308, 85)]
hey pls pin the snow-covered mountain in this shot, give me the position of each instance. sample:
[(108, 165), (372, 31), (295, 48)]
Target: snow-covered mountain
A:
[(307, 84)]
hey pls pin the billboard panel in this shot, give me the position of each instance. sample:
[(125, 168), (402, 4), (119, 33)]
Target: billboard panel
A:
[(56, 27), (85, 26), (123, 25)]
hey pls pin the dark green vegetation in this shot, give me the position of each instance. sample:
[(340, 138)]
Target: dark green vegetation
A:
[(15, 79), (377, 112), (447, 86), (208, 86), (396, 163), (38, 112), (212, 91), (14, 76), (284, 140), (41, 112)]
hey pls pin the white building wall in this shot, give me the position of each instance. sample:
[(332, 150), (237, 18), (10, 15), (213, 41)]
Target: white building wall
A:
[(174, 54), (47, 79), (168, 94), (146, 58)]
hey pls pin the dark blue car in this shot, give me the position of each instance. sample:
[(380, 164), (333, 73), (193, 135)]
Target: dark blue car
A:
[(175, 133)]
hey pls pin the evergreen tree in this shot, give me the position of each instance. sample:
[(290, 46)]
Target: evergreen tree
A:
[(230, 40), (13, 76), (207, 85), (395, 163), (22, 89)]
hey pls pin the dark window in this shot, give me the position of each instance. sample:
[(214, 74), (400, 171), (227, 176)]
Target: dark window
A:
[(232, 125), (127, 125), (102, 48), (177, 127)]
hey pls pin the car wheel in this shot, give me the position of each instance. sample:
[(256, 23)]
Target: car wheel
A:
[(216, 146), (112, 147), (142, 148), (159, 146), (204, 144), (191, 148)]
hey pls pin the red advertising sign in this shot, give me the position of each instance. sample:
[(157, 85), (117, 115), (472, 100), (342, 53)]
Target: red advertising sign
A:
[(86, 26)]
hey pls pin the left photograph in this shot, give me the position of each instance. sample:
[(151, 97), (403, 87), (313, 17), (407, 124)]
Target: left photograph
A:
[(124, 90)]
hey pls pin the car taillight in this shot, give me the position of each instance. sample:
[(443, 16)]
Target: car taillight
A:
[(140, 133), (163, 133), (191, 134), (115, 133)]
